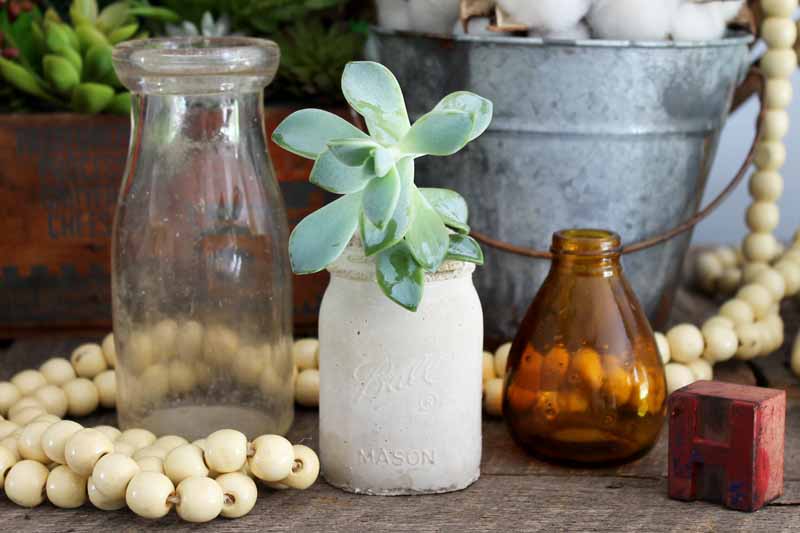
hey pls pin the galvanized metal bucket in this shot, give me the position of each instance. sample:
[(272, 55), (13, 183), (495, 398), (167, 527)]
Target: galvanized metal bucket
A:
[(616, 135)]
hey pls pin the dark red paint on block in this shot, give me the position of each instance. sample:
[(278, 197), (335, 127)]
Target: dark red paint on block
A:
[(726, 444)]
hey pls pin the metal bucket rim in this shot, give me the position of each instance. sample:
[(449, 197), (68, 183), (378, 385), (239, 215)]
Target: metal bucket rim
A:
[(734, 38)]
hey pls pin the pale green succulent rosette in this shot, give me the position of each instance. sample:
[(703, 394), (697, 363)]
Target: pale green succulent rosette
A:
[(410, 230)]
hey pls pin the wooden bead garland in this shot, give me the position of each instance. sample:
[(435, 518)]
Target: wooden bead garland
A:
[(114, 469)]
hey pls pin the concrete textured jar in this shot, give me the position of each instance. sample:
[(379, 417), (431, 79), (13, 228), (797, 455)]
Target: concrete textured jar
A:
[(400, 392)]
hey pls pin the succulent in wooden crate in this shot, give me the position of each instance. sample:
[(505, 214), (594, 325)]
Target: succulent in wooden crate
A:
[(409, 230), (68, 66)]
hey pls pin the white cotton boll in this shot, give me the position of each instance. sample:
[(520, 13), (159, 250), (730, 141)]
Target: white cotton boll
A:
[(433, 16), (578, 32), (394, 14), (475, 26), (546, 16), (635, 20), (702, 22)]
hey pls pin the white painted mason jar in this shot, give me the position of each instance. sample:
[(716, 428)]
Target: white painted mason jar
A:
[(400, 392)]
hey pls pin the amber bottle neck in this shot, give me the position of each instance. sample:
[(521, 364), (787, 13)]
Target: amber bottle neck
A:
[(589, 252)]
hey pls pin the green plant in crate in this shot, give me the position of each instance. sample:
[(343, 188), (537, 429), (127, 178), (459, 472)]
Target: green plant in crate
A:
[(69, 65), (409, 230)]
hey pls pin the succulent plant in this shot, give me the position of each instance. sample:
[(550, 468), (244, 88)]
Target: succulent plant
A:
[(409, 230), (69, 66), (209, 27)]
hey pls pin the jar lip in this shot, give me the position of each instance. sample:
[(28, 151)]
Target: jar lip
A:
[(586, 241), (198, 58)]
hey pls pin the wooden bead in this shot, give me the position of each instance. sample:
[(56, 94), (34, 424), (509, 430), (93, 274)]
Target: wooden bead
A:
[(25, 416), (678, 376), (226, 450), (273, 458), (708, 269), (124, 448), (84, 449), (727, 256), (139, 351), (150, 451), (587, 366), (685, 343), (200, 499), (493, 397), (305, 469), (9, 395), (148, 494), (779, 8), (112, 473), (182, 378), (109, 350), (65, 488), (759, 247), (28, 381), (190, 340), (762, 216), (55, 437), (501, 359), (7, 427), (730, 280), (751, 341), (758, 298), (779, 63), (701, 369), (488, 366), (770, 154), (184, 462), (106, 384), (29, 443), (7, 460), (137, 437), (82, 397), (155, 382), (151, 464), (200, 443), (779, 32), (10, 444), (721, 343), (249, 364), (170, 442), (773, 281), (53, 398), (24, 403), (88, 360), (100, 500), (779, 94), (57, 371), (718, 320), (305, 353), (221, 346), (775, 128), (25, 483), (239, 494), (766, 186), (738, 311), (751, 271), (109, 431), (306, 391), (790, 272), (663, 348), (165, 340)]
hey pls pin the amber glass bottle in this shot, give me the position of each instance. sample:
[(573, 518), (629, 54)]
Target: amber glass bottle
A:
[(585, 383)]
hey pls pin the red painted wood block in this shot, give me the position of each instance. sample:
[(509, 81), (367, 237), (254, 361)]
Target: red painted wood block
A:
[(726, 444)]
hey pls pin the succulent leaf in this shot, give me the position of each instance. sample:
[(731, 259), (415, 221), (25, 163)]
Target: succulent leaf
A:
[(56, 37), (120, 104), (123, 33), (464, 248), (113, 16), (427, 238), (400, 277), (60, 73), (372, 90), (320, 238), (375, 239), (83, 12), (479, 107), (24, 80), (332, 175), (308, 132), (384, 161), (98, 63), (438, 133), (91, 97), (352, 152), (450, 205), (89, 36), (73, 57), (380, 198)]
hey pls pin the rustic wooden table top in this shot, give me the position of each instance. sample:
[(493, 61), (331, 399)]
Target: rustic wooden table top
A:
[(514, 492)]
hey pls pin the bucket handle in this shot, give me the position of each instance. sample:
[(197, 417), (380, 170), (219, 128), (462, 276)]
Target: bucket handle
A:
[(754, 76)]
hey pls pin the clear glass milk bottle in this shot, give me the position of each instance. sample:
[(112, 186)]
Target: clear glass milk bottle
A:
[(585, 383), (201, 282)]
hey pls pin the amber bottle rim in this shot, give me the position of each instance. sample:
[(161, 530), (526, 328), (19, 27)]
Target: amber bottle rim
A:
[(586, 242)]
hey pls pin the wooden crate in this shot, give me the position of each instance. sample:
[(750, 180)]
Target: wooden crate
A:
[(59, 179)]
